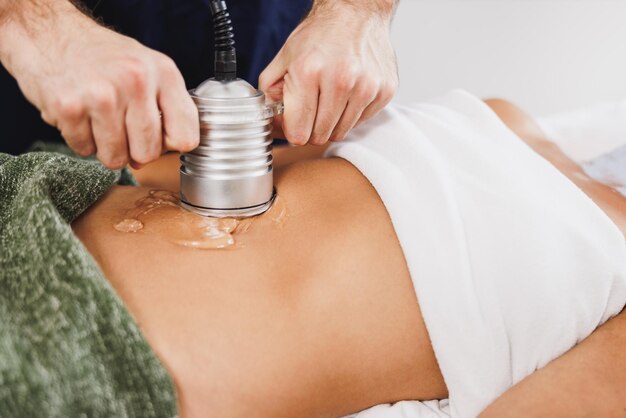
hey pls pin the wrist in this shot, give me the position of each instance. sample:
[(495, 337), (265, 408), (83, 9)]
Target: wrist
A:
[(379, 10)]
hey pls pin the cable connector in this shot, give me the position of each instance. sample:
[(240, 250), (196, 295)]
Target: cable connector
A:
[(225, 53)]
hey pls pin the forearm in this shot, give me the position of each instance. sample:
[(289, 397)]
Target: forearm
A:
[(379, 8), (25, 24), (14, 9), (589, 380)]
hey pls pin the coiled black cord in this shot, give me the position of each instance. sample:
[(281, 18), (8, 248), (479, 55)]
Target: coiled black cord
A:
[(225, 54)]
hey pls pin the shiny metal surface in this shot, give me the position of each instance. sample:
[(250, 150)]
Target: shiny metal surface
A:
[(230, 173), (231, 213)]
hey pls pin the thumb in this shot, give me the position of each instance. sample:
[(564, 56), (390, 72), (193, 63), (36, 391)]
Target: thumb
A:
[(273, 73)]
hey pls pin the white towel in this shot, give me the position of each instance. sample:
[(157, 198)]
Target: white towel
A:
[(609, 169), (512, 264), (586, 133)]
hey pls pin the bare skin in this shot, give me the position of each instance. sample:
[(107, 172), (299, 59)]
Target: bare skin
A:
[(297, 323), (317, 318), (336, 69), (110, 96), (102, 90)]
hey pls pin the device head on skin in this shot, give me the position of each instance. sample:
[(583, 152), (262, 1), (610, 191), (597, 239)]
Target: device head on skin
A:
[(230, 173)]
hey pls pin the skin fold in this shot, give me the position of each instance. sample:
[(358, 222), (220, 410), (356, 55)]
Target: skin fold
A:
[(316, 317)]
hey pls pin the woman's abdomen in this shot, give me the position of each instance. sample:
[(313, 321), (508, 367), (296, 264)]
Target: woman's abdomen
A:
[(311, 315)]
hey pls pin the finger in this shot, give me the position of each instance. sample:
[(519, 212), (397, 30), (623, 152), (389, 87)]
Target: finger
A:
[(350, 117), (71, 118), (273, 73), (371, 111), (73, 122), (275, 94), (109, 131), (383, 98), (300, 96), (48, 118), (181, 125), (79, 137), (277, 127), (143, 127), (333, 100)]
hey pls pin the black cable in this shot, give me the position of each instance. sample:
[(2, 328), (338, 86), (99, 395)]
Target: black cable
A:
[(225, 54)]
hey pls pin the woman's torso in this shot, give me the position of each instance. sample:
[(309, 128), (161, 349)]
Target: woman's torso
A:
[(314, 314)]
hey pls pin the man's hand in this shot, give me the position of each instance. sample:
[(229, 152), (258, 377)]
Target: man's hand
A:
[(336, 69), (106, 93)]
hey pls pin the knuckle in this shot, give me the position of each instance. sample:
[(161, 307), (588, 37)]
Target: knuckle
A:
[(81, 146), (368, 89), (183, 143), (263, 80), (104, 98), (318, 140), (47, 117), (189, 143), (84, 148), (146, 156), (338, 135), (343, 84), (136, 75), (346, 76), (105, 160), (307, 69), (167, 66), (115, 162), (113, 156), (297, 131), (297, 138), (387, 92), (320, 137), (68, 108)]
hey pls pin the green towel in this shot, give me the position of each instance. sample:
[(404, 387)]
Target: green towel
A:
[(68, 347)]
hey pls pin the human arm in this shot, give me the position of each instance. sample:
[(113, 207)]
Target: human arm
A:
[(105, 92), (336, 69)]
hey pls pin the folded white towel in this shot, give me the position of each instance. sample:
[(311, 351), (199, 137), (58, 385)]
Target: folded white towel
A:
[(512, 264)]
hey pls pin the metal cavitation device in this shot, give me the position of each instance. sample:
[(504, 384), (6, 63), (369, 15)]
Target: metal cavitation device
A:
[(230, 173)]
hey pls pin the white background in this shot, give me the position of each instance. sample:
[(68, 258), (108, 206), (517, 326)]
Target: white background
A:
[(545, 55)]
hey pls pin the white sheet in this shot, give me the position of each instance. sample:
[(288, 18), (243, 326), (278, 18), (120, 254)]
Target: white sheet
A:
[(609, 169), (511, 263), (594, 137), (587, 133)]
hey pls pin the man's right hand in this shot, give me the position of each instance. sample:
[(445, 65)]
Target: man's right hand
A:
[(107, 94)]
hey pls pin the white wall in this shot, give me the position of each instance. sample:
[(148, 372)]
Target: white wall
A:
[(545, 55)]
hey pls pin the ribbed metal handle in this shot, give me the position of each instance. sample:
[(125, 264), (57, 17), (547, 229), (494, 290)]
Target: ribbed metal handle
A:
[(231, 151), (230, 173)]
